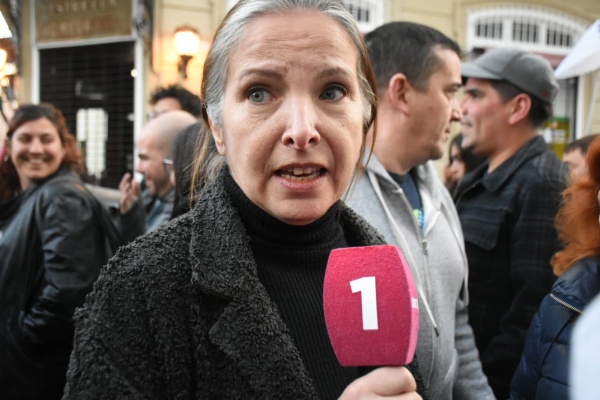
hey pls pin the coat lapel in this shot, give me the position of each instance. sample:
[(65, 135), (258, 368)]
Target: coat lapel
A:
[(250, 329)]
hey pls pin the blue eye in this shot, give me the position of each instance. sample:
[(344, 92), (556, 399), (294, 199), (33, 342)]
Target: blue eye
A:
[(258, 95), (333, 93)]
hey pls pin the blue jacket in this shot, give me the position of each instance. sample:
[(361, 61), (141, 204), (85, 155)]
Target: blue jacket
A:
[(543, 370)]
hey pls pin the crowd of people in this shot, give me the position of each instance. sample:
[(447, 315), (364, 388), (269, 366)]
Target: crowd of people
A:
[(207, 280)]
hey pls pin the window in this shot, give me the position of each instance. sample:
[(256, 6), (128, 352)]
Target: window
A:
[(525, 32), (556, 37), (93, 87), (92, 133), (530, 27), (489, 29), (368, 13)]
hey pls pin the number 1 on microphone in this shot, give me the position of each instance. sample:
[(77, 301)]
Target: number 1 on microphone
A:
[(368, 296)]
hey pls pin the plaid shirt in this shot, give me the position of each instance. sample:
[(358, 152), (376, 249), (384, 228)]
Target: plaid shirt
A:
[(508, 222)]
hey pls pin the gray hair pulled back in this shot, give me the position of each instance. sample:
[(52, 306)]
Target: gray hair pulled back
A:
[(232, 29)]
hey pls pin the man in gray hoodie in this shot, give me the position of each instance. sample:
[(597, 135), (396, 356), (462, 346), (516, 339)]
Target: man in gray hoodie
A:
[(418, 75)]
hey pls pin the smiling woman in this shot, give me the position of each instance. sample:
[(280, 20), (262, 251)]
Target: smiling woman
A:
[(53, 241), (37, 143), (227, 300)]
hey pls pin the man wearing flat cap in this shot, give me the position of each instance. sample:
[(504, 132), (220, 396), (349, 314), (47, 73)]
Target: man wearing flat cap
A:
[(507, 206)]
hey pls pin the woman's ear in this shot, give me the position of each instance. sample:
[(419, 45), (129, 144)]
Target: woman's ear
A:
[(217, 134)]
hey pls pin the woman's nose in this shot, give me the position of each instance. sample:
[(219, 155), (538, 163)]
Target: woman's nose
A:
[(36, 146), (301, 131)]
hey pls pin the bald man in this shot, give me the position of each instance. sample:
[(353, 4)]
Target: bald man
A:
[(142, 212)]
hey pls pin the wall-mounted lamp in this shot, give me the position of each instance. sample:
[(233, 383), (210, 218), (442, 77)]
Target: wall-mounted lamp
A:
[(187, 44)]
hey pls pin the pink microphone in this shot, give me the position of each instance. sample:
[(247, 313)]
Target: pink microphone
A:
[(371, 306)]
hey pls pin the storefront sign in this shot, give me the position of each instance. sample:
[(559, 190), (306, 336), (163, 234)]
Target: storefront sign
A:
[(63, 20)]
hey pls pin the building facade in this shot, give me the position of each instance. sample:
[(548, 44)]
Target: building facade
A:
[(100, 60)]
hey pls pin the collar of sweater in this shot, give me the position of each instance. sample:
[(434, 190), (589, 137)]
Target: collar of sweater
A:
[(265, 229), (220, 248)]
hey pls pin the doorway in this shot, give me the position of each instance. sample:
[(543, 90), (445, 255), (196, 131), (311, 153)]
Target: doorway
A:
[(94, 88)]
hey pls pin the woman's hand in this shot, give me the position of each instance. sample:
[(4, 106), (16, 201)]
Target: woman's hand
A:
[(385, 382)]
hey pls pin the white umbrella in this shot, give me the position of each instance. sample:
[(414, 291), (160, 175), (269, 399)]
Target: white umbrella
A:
[(584, 57)]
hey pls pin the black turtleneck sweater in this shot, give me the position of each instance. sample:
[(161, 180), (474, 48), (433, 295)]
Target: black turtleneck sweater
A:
[(291, 263)]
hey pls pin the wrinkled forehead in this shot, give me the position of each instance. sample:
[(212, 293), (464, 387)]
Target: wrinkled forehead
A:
[(291, 39)]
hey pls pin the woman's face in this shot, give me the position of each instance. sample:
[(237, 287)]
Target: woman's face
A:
[(293, 115), (457, 166), (36, 151)]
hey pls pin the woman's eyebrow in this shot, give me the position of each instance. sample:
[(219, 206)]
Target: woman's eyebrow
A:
[(335, 71), (265, 72)]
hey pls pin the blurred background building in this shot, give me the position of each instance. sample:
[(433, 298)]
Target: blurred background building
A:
[(100, 60)]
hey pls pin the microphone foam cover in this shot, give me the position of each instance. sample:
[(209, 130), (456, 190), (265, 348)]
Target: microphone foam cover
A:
[(371, 306)]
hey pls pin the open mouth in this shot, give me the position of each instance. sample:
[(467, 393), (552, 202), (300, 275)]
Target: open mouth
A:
[(300, 173)]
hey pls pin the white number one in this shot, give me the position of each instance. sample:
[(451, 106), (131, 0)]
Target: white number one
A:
[(368, 297)]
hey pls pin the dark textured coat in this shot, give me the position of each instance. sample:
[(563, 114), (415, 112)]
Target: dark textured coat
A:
[(181, 314), (507, 218), (51, 252), (543, 372)]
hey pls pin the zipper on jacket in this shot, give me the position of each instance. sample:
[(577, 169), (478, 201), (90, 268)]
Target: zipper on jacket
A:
[(562, 302), (403, 245)]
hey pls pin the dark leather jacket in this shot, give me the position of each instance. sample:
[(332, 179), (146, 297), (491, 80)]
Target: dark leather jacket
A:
[(543, 371), (51, 251)]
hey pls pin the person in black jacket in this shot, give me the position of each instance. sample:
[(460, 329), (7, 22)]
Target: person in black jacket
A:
[(54, 238), (507, 205), (226, 301), (543, 372)]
